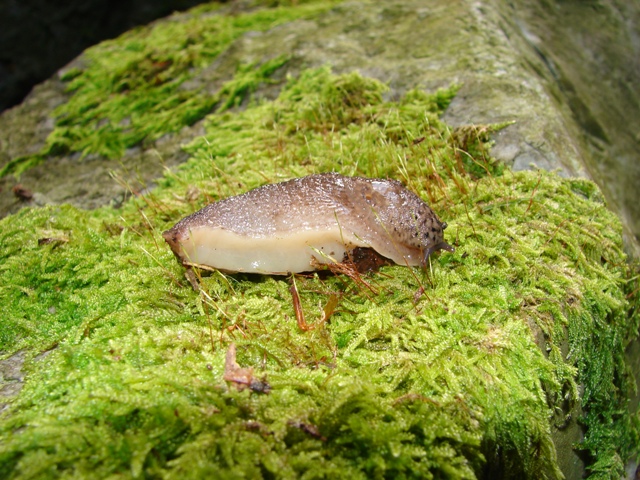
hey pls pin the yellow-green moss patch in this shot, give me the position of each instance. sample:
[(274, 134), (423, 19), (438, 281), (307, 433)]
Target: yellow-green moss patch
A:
[(416, 374), (136, 88)]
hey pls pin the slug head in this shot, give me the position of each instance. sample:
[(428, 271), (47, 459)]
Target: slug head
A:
[(442, 245)]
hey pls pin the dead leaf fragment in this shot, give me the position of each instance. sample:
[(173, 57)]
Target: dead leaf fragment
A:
[(242, 377), (21, 192)]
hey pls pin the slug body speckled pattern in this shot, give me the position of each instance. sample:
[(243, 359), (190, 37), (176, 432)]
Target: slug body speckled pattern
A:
[(296, 225)]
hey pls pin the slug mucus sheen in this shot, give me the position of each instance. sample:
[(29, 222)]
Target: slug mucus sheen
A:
[(299, 225)]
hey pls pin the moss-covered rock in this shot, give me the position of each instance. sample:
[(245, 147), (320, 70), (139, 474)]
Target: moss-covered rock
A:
[(126, 105), (569, 94), (458, 371)]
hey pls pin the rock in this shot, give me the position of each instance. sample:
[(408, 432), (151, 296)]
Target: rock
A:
[(516, 64)]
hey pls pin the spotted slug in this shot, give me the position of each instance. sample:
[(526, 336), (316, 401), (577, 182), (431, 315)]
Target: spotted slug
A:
[(298, 225)]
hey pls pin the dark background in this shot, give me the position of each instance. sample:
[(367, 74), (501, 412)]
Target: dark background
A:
[(38, 37)]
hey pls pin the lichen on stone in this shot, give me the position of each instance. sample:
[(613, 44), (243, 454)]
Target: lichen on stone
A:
[(453, 371)]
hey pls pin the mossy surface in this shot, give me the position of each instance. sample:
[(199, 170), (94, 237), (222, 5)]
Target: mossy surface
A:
[(136, 88), (421, 374)]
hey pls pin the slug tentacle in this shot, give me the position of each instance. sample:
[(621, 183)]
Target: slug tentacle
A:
[(297, 225)]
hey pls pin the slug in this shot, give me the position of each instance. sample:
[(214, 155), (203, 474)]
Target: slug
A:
[(301, 224)]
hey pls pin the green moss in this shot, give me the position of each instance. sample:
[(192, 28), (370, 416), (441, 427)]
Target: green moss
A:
[(416, 374), (136, 88)]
